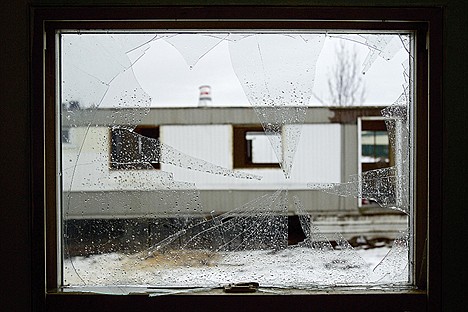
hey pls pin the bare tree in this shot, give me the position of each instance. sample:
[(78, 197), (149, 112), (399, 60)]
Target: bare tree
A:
[(345, 83)]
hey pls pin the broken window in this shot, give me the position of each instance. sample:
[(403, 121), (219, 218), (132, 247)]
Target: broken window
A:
[(128, 151), (252, 148), (274, 204), (258, 148), (374, 147)]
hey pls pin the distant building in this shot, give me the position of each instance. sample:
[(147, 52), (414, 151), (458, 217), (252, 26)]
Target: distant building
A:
[(334, 144)]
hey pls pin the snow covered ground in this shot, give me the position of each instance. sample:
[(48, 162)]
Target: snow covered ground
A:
[(296, 267)]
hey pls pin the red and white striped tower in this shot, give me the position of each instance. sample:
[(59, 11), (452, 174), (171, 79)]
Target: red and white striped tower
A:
[(205, 96)]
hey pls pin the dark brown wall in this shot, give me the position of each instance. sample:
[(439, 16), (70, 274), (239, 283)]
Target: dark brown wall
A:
[(15, 138)]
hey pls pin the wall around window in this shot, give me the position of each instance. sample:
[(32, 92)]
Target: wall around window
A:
[(17, 197)]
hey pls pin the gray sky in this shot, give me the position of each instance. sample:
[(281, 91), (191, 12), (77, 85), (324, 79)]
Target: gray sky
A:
[(165, 75), (170, 69)]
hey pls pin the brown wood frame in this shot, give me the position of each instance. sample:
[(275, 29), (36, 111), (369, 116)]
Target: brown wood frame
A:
[(428, 193), (239, 148)]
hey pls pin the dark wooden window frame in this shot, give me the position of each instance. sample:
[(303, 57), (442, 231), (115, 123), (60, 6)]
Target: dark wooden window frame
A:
[(240, 148), (145, 130), (427, 22)]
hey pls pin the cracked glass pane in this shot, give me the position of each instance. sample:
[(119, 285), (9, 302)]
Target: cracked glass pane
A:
[(191, 160), (194, 47), (277, 73)]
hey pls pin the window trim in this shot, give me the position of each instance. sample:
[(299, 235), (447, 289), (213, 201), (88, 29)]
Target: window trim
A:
[(428, 188), (239, 148)]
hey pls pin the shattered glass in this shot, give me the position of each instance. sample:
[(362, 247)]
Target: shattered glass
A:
[(278, 72), (171, 213)]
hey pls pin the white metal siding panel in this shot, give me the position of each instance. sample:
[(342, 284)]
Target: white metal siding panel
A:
[(318, 154), (211, 143), (317, 157)]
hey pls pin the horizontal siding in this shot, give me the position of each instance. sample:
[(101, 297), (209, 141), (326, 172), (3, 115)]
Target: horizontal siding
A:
[(318, 154), (183, 116), (317, 159), (170, 203)]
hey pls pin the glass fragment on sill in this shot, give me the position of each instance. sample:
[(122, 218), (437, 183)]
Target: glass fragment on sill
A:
[(164, 292)]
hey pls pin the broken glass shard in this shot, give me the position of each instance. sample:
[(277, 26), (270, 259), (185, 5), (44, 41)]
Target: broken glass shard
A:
[(194, 47), (384, 46), (393, 268), (384, 186), (278, 71)]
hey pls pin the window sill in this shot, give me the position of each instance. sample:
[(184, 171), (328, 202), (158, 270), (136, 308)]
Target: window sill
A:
[(318, 290), (266, 299)]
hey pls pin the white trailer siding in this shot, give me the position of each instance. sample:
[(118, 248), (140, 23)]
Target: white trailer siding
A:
[(210, 143), (85, 165), (317, 157), (327, 151)]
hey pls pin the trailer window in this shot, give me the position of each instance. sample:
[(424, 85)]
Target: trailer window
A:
[(219, 209), (252, 148), (130, 152)]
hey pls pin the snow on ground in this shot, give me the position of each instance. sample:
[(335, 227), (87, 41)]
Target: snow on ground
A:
[(297, 267)]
